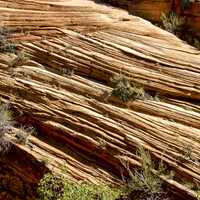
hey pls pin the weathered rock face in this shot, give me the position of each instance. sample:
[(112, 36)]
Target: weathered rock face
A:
[(20, 172), (152, 10), (74, 48)]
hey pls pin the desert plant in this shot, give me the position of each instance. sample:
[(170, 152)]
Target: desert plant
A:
[(21, 59), (52, 187), (144, 184), (67, 71), (89, 192), (23, 133), (187, 152), (5, 126), (5, 44), (125, 89), (186, 155), (172, 23)]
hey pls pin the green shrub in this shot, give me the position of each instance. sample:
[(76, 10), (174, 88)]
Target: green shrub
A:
[(52, 187), (125, 89)]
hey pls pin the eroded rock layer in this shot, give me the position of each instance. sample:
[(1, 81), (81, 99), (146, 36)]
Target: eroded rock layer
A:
[(63, 90)]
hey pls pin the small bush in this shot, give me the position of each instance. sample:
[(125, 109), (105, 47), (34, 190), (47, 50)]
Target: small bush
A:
[(23, 133), (21, 59), (5, 126), (187, 152), (172, 23), (5, 44), (144, 184), (67, 71), (125, 89), (52, 187)]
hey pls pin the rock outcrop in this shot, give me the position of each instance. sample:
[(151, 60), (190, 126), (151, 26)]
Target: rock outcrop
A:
[(152, 10), (63, 90)]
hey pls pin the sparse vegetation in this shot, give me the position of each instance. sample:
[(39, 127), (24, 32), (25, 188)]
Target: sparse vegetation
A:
[(5, 44), (67, 71), (53, 187), (23, 133), (144, 184), (186, 155), (187, 152), (21, 59), (178, 26), (125, 89), (172, 23), (5, 125)]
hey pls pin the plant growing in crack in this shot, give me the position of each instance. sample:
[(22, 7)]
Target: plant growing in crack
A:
[(187, 155), (144, 184), (125, 89), (172, 23), (23, 134), (5, 44), (21, 59), (67, 71)]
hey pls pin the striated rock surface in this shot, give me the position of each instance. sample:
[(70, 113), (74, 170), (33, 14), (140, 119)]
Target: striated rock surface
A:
[(152, 10), (63, 90)]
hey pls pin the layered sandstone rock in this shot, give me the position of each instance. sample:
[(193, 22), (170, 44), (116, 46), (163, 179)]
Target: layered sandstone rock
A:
[(152, 10), (63, 90)]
